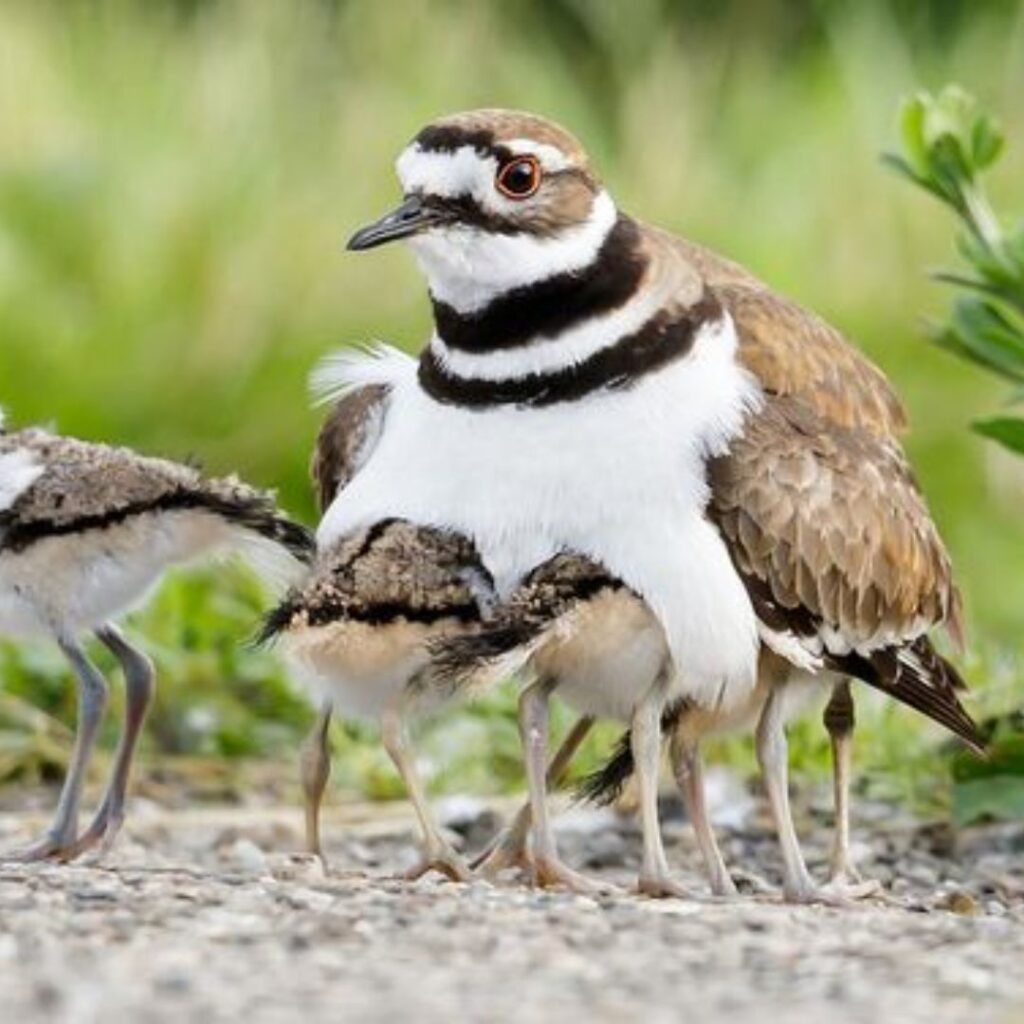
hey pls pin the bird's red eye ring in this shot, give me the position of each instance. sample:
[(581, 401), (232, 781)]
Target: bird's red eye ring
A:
[(519, 178)]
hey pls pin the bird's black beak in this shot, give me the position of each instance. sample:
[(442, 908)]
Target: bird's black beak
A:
[(408, 219)]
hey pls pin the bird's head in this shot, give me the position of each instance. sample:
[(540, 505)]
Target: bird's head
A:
[(494, 200)]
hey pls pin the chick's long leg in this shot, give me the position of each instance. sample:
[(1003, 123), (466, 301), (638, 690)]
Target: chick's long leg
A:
[(840, 719), (548, 869), (314, 772), (438, 854), (92, 702), (139, 682), (655, 879), (798, 887), (510, 848), (688, 768)]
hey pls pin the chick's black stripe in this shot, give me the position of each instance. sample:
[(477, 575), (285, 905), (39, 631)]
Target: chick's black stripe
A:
[(253, 512), (662, 340), (545, 309)]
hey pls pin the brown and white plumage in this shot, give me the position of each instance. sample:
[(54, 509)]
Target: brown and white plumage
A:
[(85, 531), (590, 386), (357, 632), (345, 441)]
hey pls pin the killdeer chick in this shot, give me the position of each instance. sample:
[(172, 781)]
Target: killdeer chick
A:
[(583, 634), (584, 371), (357, 633), (582, 630), (85, 531)]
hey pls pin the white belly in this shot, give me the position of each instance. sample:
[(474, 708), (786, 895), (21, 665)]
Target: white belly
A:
[(618, 476)]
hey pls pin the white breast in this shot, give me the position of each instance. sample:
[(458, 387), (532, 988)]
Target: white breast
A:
[(618, 476)]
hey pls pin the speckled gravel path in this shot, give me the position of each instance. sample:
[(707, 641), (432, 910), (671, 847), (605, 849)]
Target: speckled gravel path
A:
[(202, 917)]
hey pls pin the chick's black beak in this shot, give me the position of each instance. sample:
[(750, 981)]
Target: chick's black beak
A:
[(408, 219)]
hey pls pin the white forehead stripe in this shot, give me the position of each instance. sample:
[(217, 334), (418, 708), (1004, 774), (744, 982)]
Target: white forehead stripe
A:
[(448, 173), (19, 470)]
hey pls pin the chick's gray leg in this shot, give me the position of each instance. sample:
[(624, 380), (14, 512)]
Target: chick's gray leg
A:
[(58, 840), (509, 850), (314, 772), (139, 683), (438, 854), (688, 768), (655, 878)]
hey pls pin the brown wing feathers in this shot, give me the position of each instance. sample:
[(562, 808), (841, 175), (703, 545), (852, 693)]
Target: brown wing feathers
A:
[(345, 440), (827, 528)]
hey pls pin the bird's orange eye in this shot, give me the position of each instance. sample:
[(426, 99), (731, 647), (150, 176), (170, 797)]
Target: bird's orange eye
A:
[(519, 178)]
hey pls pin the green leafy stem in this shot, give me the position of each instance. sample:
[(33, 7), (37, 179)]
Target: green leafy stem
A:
[(947, 144)]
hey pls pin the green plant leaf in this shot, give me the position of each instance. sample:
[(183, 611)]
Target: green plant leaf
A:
[(987, 141), (911, 121), (987, 336), (1007, 430), (1005, 292)]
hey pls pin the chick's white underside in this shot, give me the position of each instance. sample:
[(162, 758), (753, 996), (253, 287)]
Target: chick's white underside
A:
[(361, 669), (618, 476), (71, 582)]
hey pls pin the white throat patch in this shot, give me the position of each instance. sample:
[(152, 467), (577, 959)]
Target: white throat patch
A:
[(467, 268)]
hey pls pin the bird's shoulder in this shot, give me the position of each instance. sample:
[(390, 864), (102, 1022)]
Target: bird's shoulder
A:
[(345, 440), (789, 349)]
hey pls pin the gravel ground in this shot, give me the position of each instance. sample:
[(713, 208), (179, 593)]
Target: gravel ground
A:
[(205, 916)]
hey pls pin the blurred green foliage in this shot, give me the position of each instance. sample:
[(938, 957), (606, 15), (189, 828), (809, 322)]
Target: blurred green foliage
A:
[(176, 181), (948, 143)]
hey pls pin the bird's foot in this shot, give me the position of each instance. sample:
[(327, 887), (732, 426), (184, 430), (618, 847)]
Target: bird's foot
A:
[(51, 846), (660, 885), (847, 883), (507, 854), (443, 859), (549, 873), (842, 896), (97, 840), (723, 886)]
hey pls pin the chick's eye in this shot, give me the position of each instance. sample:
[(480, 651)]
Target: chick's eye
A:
[(520, 178)]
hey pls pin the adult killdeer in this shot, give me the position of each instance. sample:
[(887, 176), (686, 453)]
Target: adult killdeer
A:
[(584, 372), (85, 532), (582, 632), (357, 633)]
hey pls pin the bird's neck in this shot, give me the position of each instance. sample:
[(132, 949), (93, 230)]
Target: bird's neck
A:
[(566, 334), (552, 305)]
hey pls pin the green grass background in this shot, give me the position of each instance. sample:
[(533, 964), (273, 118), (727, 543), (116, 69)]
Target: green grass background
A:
[(177, 180)]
